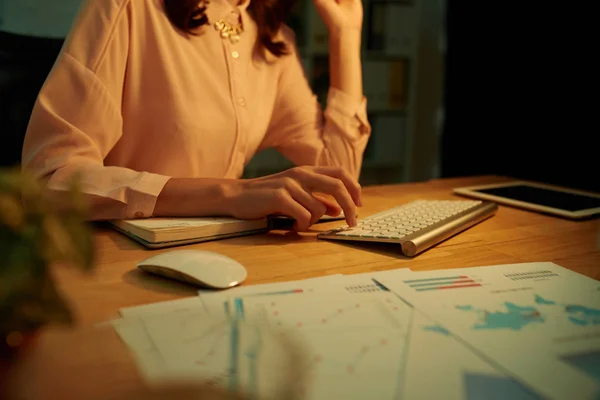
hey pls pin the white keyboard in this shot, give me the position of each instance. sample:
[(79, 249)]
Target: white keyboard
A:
[(418, 225)]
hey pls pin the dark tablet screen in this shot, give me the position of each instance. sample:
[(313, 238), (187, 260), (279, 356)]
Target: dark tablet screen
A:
[(545, 197)]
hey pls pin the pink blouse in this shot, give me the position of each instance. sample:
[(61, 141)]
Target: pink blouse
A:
[(132, 102)]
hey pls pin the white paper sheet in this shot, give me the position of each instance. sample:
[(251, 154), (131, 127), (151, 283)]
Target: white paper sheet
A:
[(135, 336), (163, 307), (355, 344), (516, 331), (434, 355), (539, 321)]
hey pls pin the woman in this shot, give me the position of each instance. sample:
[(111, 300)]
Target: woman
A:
[(159, 104)]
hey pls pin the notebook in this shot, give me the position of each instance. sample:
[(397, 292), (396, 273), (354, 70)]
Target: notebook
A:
[(167, 232), (158, 233)]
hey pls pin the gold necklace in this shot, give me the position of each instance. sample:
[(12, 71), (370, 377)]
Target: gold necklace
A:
[(229, 31)]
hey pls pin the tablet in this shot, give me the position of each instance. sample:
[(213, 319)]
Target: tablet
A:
[(549, 199)]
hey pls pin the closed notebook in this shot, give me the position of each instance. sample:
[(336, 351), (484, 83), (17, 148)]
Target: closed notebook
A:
[(165, 232)]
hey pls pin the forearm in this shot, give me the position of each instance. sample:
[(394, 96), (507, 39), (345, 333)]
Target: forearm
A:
[(345, 67), (194, 197)]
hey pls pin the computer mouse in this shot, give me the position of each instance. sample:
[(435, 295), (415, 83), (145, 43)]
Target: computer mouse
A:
[(197, 267)]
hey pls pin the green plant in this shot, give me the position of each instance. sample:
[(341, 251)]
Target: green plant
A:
[(37, 232)]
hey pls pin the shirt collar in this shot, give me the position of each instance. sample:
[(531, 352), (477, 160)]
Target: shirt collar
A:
[(244, 5), (218, 9)]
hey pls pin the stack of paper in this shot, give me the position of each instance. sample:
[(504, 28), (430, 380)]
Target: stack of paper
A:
[(522, 331)]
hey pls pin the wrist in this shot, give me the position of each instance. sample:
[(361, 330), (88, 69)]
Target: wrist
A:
[(345, 62), (194, 197), (230, 192), (346, 37)]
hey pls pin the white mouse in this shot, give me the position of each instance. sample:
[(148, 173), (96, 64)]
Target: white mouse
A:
[(198, 267)]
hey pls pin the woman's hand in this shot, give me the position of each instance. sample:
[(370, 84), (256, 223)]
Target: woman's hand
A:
[(294, 193), (340, 15)]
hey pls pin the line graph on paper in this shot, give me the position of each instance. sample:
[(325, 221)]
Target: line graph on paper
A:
[(319, 319), (192, 345), (343, 336), (332, 313), (358, 363), (215, 336), (355, 352)]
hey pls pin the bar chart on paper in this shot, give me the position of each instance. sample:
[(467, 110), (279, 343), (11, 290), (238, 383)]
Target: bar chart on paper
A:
[(443, 283)]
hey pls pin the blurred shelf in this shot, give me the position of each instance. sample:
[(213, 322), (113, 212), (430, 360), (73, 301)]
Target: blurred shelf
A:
[(390, 54), (380, 175)]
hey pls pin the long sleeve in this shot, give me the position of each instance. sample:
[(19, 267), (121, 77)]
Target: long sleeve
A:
[(77, 119), (304, 134)]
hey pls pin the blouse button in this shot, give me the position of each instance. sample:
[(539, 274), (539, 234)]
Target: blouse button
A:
[(235, 54), (241, 101)]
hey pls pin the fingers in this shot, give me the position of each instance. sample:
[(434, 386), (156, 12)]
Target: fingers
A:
[(285, 204), (333, 208), (350, 183), (316, 208), (298, 173), (295, 202), (316, 182)]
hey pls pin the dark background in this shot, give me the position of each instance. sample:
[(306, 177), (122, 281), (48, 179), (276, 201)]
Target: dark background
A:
[(520, 97)]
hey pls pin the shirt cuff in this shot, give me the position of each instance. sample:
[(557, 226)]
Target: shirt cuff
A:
[(343, 105), (142, 197)]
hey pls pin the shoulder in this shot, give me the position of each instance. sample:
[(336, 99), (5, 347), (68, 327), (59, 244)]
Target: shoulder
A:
[(101, 24), (95, 27), (101, 13)]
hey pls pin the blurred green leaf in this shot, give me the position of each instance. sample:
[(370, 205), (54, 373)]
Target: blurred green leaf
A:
[(37, 231)]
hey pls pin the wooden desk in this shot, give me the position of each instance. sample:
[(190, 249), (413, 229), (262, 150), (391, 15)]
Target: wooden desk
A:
[(511, 236)]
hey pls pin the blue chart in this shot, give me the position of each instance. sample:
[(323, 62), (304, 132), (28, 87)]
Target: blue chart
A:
[(479, 387), (436, 328), (516, 317), (588, 363)]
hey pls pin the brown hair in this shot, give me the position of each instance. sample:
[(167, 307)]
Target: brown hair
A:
[(269, 15)]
